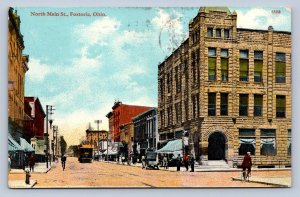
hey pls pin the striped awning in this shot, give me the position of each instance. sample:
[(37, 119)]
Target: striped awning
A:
[(171, 147), (25, 145), (13, 145)]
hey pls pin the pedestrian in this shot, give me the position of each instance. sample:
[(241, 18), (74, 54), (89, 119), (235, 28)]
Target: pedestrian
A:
[(63, 161), (247, 164), (186, 162), (31, 163), (143, 162), (178, 162), (192, 162), (165, 162), (9, 163)]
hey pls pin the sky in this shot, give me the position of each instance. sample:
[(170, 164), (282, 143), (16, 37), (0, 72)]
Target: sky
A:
[(83, 64)]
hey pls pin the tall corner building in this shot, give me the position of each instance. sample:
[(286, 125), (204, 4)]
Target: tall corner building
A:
[(230, 89)]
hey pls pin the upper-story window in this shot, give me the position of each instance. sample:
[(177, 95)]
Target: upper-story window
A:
[(244, 65), (218, 32), (280, 67), (258, 105), (212, 64), (243, 110), (280, 106), (224, 64), (258, 66), (211, 104), (209, 32), (226, 33), (224, 104)]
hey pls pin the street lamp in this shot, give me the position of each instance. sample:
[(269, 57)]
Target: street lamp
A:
[(49, 109)]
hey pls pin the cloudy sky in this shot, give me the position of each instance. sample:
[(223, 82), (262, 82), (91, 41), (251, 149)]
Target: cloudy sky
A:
[(83, 64)]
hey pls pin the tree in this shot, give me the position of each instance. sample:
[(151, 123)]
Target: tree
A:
[(74, 149), (63, 145)]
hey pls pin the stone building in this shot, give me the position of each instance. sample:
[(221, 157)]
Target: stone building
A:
[(145, 131), (230, 88), (17, 67)]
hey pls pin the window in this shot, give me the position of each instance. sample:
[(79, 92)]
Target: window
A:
[(186, 107), (226, 33), (258, 65), (224, 64), (224, 104), (247, 141), (218, 33), (280, 68), (268, 142), (177, 80), (211, 104), (244, 65), (209, 32), (258, 105), (194, 106), (162, 88), (280, 106), (178, 112), (195, 68), (289, 142), (211, 64), (243, 110), (169, 115)]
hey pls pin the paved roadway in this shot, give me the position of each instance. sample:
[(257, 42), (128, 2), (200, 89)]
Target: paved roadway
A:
[(101, 174)]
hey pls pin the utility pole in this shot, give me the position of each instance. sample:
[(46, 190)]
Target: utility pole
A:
[(98, 148)]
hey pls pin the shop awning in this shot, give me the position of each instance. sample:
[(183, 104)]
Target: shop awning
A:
[(25, 145), (171, 147), (13, 145)]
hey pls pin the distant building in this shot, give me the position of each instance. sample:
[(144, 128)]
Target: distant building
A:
[(145, 131), (34, 126), (230, 89), (126, 137), (94, 137), (17, 67), (110, 124), (122, 114)]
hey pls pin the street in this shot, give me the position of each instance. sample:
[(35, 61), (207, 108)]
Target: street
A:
[(102, 174)]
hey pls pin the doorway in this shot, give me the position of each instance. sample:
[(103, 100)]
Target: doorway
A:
[(216, 146)]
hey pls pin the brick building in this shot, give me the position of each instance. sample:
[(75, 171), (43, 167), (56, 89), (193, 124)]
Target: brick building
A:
[(34, 127), (230, 88), (126, 136), (94, 137), (17, 67), (123, 114)]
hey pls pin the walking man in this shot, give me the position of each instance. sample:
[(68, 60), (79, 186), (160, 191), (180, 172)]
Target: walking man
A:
[(165, 162), (31, 163), (63, 161), (192, 162), (179, 161)]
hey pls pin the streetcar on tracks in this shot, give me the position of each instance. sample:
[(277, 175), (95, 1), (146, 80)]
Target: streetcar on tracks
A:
[(85, 153)]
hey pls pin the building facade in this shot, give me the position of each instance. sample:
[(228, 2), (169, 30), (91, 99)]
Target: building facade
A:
[(145, 131), (94, 137), (122, 114), (33, 127), (230, 88), (126, 136), (17, 67)]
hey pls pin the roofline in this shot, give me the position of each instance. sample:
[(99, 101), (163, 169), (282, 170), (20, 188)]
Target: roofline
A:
[(137, 116), (262, 30)]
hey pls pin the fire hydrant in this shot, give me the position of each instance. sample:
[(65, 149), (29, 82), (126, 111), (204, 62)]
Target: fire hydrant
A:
[(27, 177)]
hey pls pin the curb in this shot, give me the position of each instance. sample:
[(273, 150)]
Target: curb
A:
[(262, 182)]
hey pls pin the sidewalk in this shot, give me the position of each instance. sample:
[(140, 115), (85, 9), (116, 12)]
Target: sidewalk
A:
[(21, 184), (38, 168), (275, 181)]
